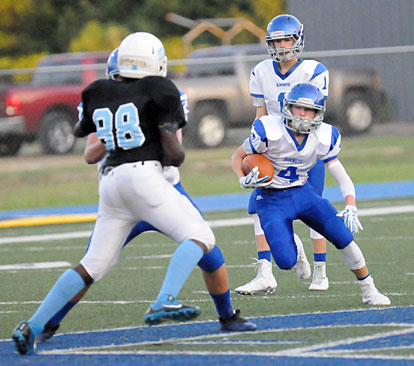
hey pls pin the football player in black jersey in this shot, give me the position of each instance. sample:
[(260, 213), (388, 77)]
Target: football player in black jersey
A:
[(137, 119), (212, 264)]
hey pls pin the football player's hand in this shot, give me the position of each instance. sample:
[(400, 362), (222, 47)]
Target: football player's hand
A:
[(252, 179), (350, 216)]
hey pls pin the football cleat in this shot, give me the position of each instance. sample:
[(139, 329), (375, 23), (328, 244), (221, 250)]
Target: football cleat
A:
[(24, 339), (376, 298), (47, 333), (370, 294), (168, 308), (302, 266), (319, 280), (263, 283), (236, 324)]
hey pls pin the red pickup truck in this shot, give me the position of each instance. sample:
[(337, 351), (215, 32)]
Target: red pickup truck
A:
[(45, 110)]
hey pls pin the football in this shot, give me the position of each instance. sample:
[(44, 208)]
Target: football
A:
[(263, 163)]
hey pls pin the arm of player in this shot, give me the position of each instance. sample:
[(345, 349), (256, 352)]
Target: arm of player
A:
[(350, 213), (94, 149), (237, 162), (78, 131), (173, 152), (252, 179), (261, 111)]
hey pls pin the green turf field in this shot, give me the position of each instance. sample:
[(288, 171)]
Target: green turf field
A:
[(121, 299), (67, 180)]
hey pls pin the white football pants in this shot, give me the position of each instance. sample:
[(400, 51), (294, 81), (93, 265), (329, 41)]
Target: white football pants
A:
[(136, 192)]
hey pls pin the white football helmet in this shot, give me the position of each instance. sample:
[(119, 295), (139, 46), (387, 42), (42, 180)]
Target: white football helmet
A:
[(141, 54)]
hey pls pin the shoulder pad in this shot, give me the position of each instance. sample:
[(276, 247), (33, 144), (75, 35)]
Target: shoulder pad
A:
[(262, 65), (327, 134), (273, 126)]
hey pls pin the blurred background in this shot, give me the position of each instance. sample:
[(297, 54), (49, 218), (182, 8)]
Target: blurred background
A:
[(50, 50)]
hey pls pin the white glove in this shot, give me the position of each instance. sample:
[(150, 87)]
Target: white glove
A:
[(350, 216), (252, 179)]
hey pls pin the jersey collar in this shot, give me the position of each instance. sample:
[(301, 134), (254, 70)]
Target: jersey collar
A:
[(299, 146), (293, 68)]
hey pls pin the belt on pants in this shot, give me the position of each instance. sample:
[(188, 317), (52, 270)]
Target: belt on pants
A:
[(107, 169)]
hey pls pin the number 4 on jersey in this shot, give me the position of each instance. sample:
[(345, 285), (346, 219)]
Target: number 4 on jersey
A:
[(289, 173)]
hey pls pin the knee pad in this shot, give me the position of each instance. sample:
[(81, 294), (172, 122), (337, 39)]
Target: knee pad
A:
[(201, 232), (315, 235), (209, 241), (286, 263), (353, 256), (95, 271), (287, 259), (257, 227), (212, 261)]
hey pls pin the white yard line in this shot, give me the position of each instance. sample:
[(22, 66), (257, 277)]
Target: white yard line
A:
[(308, 351), (214, 223), (131, 302), (38, 265)]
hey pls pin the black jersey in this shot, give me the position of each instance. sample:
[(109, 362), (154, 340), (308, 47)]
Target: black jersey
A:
[(126, 116)]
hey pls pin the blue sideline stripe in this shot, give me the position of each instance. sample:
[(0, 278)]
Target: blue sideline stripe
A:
[(235, 201), (119, 337)]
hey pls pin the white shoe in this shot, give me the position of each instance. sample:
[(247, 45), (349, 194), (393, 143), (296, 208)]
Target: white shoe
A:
[(319, 280), (302, 267), (370, 294), (263, 283)]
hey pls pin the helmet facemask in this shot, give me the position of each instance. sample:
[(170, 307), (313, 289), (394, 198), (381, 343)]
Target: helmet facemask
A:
[(288, 53), (301, 124)]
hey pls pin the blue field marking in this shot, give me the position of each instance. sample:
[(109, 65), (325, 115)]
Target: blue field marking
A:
[(390, 341), (234, 201), (88, 348)]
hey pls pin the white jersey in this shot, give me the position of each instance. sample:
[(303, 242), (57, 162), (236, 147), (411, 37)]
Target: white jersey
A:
[(267, 83), (291, 161)]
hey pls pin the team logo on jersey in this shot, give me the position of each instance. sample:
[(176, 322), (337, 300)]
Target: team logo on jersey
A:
[(259, 197), (296, 161), (282, 84)]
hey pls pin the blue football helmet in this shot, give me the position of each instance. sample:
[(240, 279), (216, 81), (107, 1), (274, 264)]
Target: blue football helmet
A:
[(285, 26), (112, 65), (304, 95)]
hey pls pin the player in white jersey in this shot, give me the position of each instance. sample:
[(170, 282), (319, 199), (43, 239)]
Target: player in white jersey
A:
[(294, 143), (270, 80)]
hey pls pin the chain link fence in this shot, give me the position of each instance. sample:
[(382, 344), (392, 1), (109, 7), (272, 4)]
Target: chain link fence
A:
[(42, 108)]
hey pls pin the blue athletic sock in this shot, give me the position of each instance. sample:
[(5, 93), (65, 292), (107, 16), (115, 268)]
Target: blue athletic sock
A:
[(363, 278), (58, 317), (319, 257), (67, 286), (265, 254), (182, 263), (223, 304)]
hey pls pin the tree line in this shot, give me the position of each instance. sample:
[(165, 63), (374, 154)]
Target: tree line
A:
[(30, 29)]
